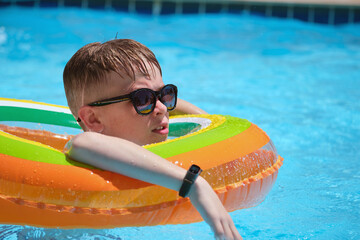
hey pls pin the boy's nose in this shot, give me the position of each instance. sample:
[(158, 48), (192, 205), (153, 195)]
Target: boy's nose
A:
[(160, 108)]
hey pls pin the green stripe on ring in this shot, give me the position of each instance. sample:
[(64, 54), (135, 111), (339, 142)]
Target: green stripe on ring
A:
[(37, 116)]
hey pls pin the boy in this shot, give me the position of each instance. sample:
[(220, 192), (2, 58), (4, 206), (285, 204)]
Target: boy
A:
[(115, 128)]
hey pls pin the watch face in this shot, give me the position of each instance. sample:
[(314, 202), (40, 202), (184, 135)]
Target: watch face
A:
[(194, 169)]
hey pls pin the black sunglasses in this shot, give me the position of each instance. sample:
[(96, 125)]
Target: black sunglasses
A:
[(144, 99)]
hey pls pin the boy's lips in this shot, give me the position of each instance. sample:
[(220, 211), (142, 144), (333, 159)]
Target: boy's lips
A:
[(162, 129)]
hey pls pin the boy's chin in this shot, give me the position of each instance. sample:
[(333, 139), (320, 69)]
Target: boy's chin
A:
[(157, 140)]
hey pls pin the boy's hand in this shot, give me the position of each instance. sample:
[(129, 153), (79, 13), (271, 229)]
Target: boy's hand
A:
[(212, 211)]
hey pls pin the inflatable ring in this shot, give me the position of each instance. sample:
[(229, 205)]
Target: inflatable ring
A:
[(40, 187)]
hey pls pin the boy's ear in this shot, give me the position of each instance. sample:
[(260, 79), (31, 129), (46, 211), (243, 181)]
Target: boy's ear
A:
[(90, 119)]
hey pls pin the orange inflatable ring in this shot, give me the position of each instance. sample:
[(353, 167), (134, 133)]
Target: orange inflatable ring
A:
[(40, 187)]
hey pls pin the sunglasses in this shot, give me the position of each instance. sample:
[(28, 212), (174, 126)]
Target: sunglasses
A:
[(144, 99)]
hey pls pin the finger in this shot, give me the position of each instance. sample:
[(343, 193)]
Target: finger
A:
[(227, 231), (235, 233), (219, 231)]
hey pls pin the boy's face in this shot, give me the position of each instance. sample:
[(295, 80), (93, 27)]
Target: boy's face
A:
[(121, 119)]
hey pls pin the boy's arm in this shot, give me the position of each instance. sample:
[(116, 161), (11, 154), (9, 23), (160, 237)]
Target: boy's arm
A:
[(184, 107), (126, 158)]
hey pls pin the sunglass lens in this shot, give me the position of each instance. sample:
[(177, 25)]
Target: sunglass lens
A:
[(168, 97), (144, 101)]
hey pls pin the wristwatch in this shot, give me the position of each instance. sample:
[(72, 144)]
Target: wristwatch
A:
[(189, 179)]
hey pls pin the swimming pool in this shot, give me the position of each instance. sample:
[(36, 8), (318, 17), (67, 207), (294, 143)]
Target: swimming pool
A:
[(297, 81)]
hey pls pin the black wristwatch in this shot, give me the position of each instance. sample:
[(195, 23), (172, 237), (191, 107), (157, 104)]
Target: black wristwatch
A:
[(189, 179)]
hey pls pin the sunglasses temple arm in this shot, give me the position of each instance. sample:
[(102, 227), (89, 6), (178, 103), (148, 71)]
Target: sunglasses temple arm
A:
[(107, 102)]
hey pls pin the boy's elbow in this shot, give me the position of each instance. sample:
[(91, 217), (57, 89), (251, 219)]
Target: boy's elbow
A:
[(84, 141), (83, 146)]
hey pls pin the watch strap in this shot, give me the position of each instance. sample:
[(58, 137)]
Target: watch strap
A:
[(189, 181)]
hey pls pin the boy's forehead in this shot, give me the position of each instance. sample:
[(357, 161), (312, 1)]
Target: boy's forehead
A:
[(151, 80), (125, 83), (115, 81)]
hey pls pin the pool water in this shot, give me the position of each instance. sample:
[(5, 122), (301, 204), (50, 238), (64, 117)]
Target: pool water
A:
[(297, 81)]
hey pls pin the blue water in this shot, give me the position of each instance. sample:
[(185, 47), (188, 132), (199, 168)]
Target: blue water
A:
[(299, 82)]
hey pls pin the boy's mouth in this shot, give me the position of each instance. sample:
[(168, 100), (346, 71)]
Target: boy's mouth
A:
[(163, 130)]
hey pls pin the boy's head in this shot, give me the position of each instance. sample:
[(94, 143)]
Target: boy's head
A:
[(101, 71)]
